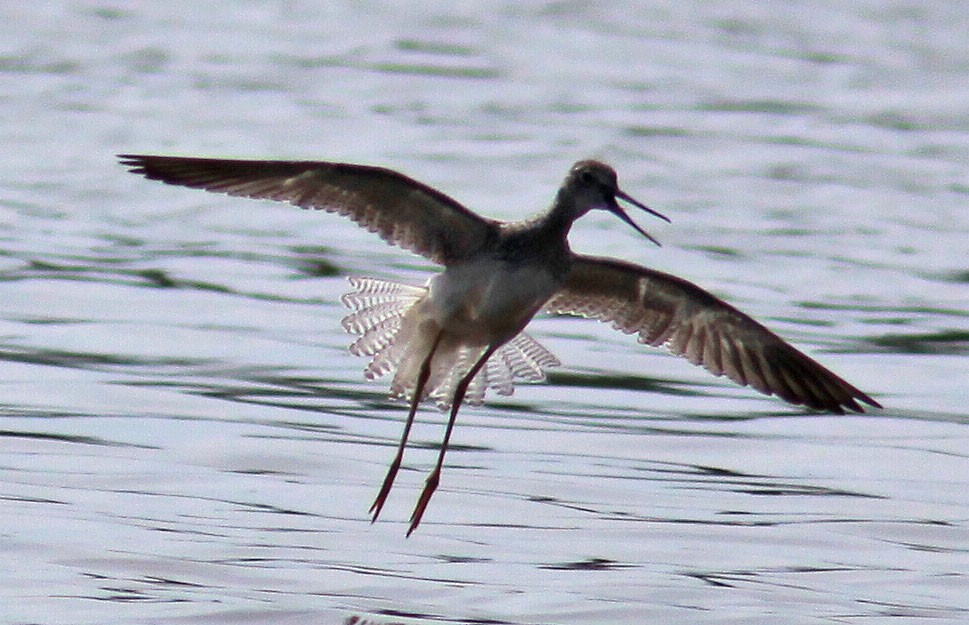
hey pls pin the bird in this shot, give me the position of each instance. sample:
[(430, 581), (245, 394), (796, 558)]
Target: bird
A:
[(463, 331)]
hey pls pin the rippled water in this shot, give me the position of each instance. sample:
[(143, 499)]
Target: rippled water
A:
[(185, 439)]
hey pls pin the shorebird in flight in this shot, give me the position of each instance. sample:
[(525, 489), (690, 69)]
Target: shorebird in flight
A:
[(462, 332)]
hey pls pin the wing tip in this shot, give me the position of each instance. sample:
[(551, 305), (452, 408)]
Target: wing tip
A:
[(844, 404), (856, 407), (134, 162)]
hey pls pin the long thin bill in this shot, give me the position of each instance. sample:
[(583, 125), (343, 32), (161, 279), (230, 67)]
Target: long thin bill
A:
[(619, 212), (615, 208), (622, 195)]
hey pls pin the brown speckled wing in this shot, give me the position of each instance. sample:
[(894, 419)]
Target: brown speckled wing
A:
[(401, 210), (667, 311)]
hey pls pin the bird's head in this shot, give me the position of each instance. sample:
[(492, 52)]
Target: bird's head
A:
[(593, 185)]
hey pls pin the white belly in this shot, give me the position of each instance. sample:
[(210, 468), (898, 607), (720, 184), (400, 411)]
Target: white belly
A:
[(462, 312), (487, 302)]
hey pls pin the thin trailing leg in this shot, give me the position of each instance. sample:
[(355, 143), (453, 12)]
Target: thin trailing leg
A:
[(422, 377), (432, 480)]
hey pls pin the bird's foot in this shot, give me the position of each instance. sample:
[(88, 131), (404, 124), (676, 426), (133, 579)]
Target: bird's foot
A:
[(378, 503), (429, 487)]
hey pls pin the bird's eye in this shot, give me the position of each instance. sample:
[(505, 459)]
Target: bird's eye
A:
[(586, 178)]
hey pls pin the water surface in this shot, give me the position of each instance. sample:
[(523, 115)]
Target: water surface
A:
[(186, 440)]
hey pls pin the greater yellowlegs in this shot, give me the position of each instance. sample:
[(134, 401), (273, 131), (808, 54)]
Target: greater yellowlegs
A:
[(461, 333)]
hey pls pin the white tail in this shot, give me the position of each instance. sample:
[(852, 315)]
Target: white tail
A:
[(391, 336)]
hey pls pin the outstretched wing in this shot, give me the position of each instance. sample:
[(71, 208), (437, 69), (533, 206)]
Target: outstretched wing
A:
[(401, 210), (665, 310)]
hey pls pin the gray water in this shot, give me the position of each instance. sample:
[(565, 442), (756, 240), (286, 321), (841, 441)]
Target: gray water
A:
[(184, 438)]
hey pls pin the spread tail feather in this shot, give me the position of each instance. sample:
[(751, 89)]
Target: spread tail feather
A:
[(393, 334)]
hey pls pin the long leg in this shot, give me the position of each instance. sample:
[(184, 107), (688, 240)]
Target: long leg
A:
[(422, 376), (431, 484)]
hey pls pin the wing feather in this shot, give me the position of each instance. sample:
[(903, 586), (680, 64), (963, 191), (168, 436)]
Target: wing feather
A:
[(399, 209), (690, 322)]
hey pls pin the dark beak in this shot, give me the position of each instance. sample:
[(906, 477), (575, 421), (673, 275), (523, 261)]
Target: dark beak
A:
[(619, 212)]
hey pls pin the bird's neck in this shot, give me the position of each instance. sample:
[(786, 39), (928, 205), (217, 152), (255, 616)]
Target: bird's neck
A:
[(558, 219), (544, 235)]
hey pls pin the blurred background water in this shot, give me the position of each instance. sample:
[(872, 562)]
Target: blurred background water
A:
[(185, 439)]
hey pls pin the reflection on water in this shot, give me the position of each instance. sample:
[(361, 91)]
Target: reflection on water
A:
[(186, 439)]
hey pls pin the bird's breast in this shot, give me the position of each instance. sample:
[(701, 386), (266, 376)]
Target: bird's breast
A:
[(490, 300)]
